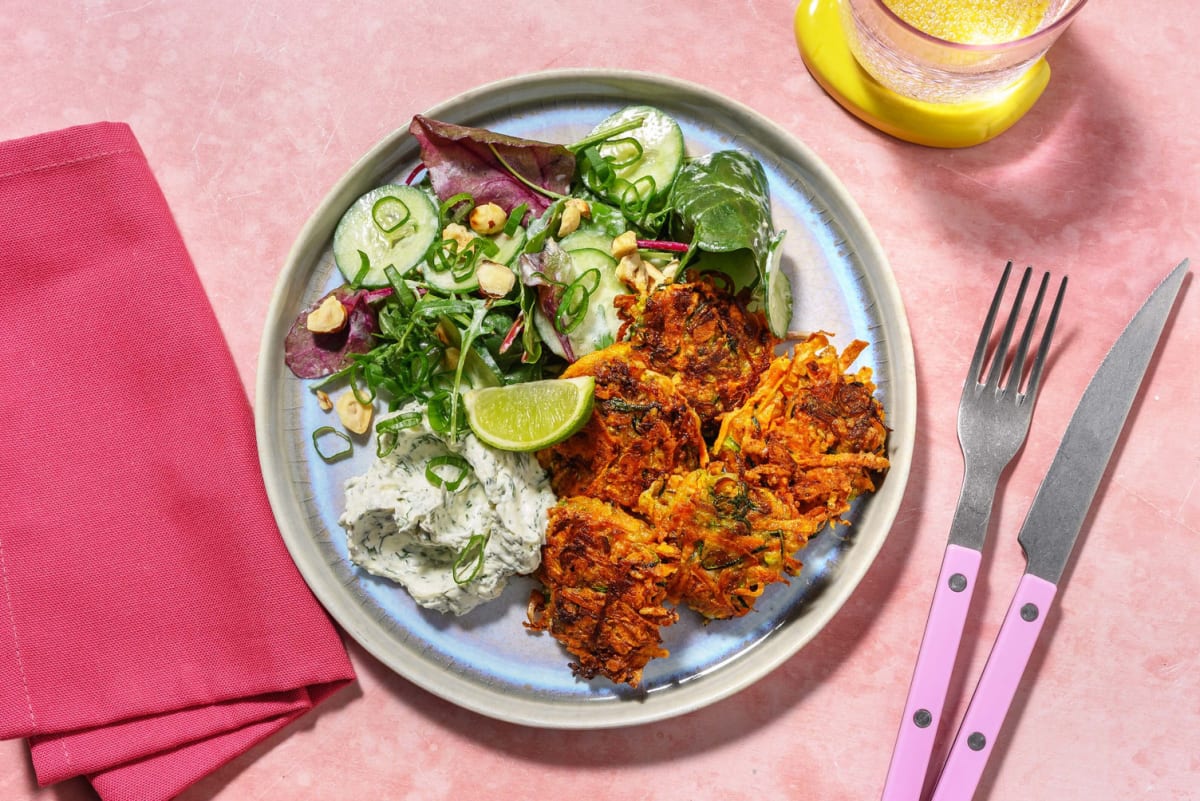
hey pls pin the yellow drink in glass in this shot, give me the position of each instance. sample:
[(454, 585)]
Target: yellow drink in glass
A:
[(952, 51), (977, 22)]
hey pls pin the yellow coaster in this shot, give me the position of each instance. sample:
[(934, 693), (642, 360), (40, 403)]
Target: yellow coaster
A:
[(822, 41)]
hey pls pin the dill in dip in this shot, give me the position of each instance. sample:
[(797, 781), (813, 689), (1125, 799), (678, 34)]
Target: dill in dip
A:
[(450, 521)]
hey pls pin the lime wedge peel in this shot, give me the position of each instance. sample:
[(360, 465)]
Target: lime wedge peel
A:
[(530, 416)]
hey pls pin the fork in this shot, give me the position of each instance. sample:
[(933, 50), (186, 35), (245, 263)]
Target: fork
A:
[(993, 422)]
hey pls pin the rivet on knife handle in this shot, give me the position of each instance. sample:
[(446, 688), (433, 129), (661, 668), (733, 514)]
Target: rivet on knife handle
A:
[(994, 693)]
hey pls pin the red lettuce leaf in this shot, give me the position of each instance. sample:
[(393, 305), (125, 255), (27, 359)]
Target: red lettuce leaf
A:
[(460, 159), (310, 355), (544, 271)]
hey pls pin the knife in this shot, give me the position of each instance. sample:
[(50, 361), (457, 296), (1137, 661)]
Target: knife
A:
[(1050, 531)]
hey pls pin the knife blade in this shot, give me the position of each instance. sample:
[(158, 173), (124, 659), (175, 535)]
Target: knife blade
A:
[(1050, 531), (1062, 501)]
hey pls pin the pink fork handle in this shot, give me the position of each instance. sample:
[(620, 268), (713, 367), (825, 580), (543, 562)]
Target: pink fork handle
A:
[(996, 689), (931, 677)]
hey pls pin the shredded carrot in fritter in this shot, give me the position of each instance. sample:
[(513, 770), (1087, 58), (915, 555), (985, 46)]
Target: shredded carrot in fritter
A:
[(796, 441)]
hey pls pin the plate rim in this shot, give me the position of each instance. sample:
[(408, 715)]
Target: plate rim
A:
[(703, 689)]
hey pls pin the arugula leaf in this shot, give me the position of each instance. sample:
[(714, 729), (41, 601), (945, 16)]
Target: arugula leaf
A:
[(723, 204)]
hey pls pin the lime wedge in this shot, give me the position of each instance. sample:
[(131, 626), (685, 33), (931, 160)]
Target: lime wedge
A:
[(530, 416)]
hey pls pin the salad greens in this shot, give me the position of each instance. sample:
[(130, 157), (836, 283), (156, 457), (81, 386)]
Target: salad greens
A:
[(425, 330), (721, 205)]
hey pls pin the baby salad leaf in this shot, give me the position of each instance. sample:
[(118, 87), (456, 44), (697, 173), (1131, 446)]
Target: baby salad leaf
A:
[(482, 163), (310, 355), (722, 201)]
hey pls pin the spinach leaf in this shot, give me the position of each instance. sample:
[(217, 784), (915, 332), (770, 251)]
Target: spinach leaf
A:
[(722, 203)]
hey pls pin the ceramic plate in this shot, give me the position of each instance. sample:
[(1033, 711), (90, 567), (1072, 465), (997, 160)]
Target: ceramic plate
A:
[(486, 660)]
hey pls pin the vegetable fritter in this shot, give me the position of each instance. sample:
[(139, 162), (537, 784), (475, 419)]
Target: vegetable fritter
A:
[(605, 575), (641, 429), (811, 433), (794, 440), (733, 539), (705, 339)]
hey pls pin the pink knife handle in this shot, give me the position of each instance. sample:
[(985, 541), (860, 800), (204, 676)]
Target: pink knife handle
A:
[(931, 677), (996, 689)]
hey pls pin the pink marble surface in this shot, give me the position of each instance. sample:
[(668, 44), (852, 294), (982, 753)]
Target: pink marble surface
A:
[(248, 113)]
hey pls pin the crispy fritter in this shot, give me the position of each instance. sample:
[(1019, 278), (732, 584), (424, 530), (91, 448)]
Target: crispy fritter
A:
[(705, 339), (604, 574), (733, 539), (811, 433), (641, 429), (651, 518)]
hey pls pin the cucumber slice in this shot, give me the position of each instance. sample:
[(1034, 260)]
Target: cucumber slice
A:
[(779, 290), (591, 240), (361, 230), (654, 169), (600, 323), (509, 247)]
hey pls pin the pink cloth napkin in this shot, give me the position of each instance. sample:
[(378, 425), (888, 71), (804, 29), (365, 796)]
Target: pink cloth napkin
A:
[(152, 623)]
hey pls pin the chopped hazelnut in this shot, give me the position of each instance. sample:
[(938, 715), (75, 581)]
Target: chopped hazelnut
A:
[(631, 271), (573, 212), (495, 279), (488, 219), (328, 317), (355, 416), (638, 274), (459, 234), (624, 245), (654, 277)]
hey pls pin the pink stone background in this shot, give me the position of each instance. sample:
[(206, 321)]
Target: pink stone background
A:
[(250, 111)]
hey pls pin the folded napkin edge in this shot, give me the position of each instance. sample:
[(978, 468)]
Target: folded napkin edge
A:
[(71, 145)]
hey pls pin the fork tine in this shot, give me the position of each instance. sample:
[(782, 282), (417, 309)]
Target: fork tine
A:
[(1047, 334), (976, 368), (1017, 370), (998, 358)]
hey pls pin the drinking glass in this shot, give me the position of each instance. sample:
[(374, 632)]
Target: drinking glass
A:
[(954, 51)]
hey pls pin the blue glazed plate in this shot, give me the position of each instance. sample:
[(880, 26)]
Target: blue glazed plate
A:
[(486, 660)]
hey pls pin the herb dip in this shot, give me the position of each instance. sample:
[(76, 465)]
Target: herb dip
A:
[(401, 526)]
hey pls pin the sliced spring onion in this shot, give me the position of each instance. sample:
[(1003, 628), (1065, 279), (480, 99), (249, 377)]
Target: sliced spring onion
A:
[(469, 562), (328, 431), (442, 255), (625, 143), (405, 295), (445, 416), (389, 213), (601, 136), (446, 211), (634, 196), (364, 269), (575, 300), (387, 428), (514, 219), (455, 479), (357, 377)]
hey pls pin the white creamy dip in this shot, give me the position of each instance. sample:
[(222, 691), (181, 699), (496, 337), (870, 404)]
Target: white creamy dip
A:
[(401, 526)]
